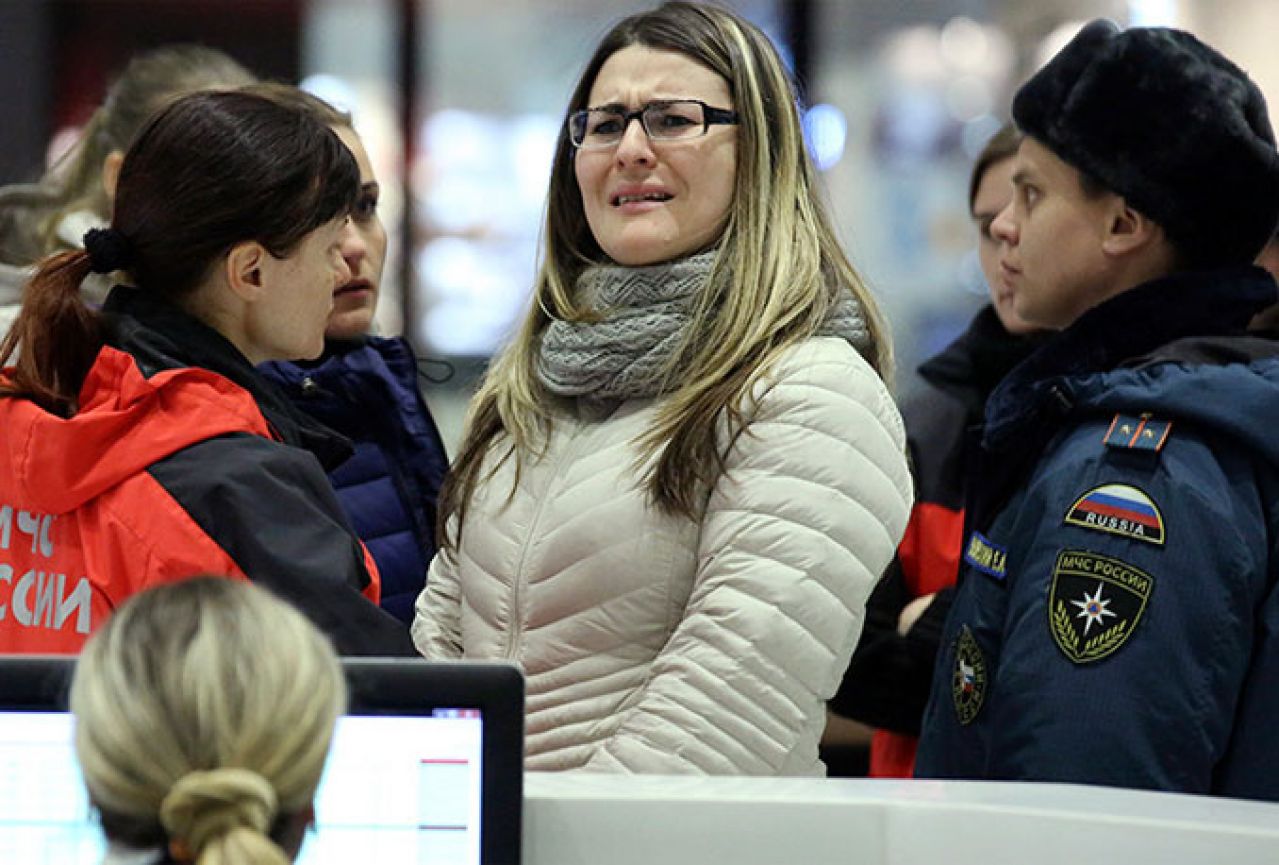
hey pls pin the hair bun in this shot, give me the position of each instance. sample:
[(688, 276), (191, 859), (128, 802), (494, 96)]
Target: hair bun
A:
[(108, 249), (202, 806)]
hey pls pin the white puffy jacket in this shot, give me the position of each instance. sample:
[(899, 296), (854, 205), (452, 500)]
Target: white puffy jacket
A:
[(652, 643)]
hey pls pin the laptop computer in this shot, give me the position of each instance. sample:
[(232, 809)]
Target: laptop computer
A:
[(426, 767)]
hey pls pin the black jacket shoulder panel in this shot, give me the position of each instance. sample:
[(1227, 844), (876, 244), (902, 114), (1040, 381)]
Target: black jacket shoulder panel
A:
[(160, 336), (271, 508)]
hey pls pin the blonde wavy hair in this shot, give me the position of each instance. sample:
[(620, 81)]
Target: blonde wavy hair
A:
[(778, 271), (30, 215), (204, 711)]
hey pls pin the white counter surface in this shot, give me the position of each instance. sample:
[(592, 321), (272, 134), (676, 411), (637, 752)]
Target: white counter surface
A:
[(580, 819)]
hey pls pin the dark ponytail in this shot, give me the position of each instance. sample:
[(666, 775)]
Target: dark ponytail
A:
[(59, 333)]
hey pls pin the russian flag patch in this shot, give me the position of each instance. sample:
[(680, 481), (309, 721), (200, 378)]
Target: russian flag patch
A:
[(1119, 509)]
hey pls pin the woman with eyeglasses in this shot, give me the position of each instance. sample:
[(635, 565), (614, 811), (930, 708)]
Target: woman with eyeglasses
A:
[(681, 479)]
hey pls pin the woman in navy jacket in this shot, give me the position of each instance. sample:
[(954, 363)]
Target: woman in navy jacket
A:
[(366, 388)]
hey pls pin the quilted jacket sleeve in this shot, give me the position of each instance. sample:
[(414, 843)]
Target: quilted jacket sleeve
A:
[(805, 518), (437, 629)]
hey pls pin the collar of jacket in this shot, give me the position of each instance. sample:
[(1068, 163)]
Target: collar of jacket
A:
[(345, 371), (366, 384), (973, 365), (1121, 331), (160, 336)]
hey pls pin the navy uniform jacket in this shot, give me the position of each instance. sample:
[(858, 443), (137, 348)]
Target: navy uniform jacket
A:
[(1117, 618)]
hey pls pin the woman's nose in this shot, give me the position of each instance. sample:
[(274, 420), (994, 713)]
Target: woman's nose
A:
[(353, 247), (635, 146)]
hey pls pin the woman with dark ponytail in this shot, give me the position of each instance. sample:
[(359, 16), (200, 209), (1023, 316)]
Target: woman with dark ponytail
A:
[(138, 445)]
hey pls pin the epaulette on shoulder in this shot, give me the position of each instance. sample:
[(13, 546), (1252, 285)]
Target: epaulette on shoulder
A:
[(1137, 433)]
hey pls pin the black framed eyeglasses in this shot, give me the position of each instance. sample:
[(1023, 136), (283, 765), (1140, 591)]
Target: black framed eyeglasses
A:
[(663, 120)]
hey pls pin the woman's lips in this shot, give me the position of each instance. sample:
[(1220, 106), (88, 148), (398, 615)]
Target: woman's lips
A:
[(354, 286), (643, 206)]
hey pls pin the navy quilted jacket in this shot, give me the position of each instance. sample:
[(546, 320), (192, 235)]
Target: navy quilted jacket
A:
[(368, 392)]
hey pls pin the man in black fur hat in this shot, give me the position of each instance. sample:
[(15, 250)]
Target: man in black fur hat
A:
[(1117, 619)]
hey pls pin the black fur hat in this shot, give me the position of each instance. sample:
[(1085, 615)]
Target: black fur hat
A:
[(1171, 125)]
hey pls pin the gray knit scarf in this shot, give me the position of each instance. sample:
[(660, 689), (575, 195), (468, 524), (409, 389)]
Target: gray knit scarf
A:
[(645, 311)]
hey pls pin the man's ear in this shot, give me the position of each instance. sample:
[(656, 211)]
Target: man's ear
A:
[(1128, 230), (111, 173), (244, 268)]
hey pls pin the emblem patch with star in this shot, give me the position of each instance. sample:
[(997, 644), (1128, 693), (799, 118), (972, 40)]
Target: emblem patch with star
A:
[(969, 678), (1095, 604), (1119, 509)]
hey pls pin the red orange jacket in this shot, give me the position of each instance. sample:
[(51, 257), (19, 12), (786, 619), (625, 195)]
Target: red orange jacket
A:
[(168, 470)]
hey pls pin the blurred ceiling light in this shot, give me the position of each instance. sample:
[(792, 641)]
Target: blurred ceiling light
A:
[(929, 57), (964, 44), (826, 130), (1154, 13), (913, 56), (1000, 58), (462, 141), (336, 91), (968, 97), (532, 140)]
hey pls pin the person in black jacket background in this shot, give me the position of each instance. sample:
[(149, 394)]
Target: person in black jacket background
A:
[(887, 682)]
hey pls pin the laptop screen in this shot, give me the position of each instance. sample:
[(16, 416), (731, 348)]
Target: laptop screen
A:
[(439, 786)]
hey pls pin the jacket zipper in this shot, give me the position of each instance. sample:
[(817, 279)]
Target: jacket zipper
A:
[(516, 631)]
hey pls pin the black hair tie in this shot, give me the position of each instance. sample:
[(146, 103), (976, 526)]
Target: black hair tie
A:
[(108, 249)]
